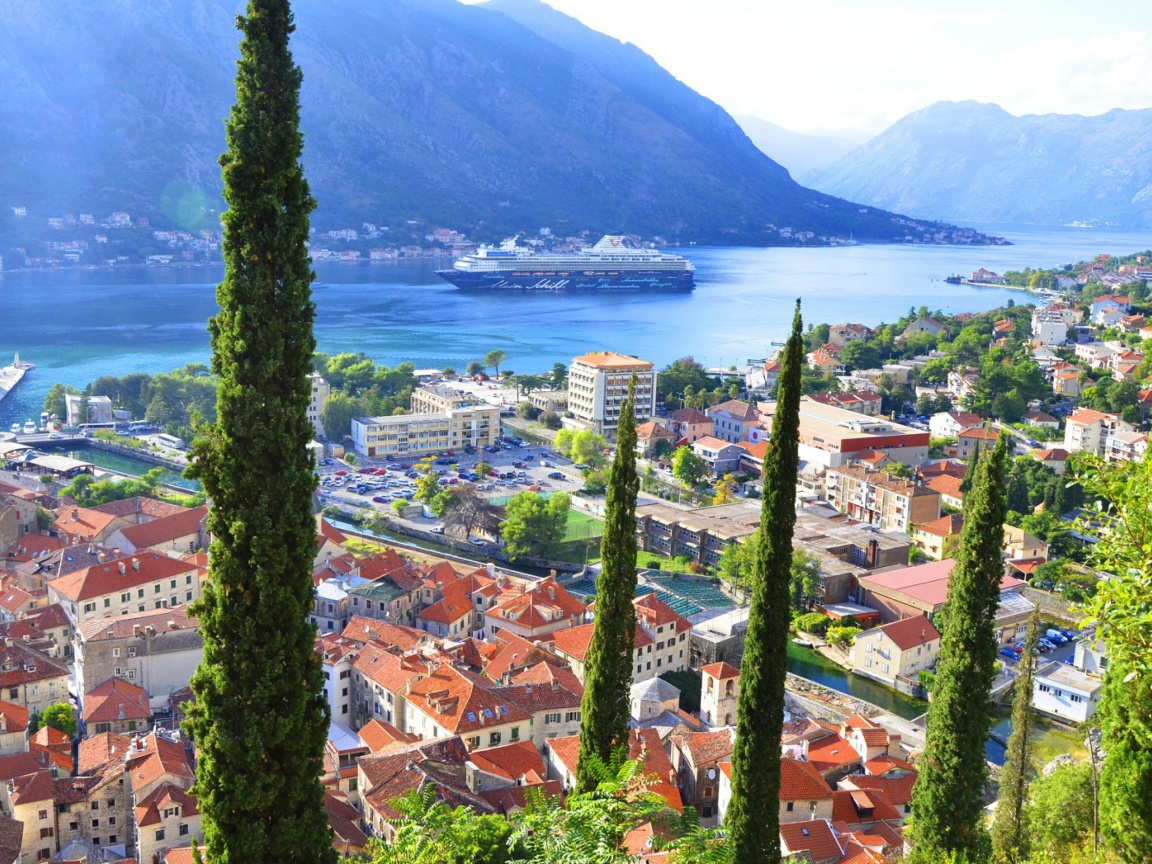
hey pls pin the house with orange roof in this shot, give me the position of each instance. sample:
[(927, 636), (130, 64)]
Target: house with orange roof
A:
[(732, 420), (29, 547), (689, 425), (348, 839), (1088, 431), (28, 799), (971, 440), (552, 695), (337, 656), (381, 678), (13, 728), (168, 816), (450, 701), (378, 735), (536, 609), (804, 794), (842, 334), (130, 583), (598, 384), (644, 745), (814, 840), (571, 646), (15, 603), (721, 457), (116, 706), (826, 358), (947, 486), (369, 630), (1055, 458), (888, 502), (696, 758), (900, 649), (937, 539), (52, 621), (649, 436), (752, 459), (30, 678), (667, 629), (84, 525), (180, 533), (157, 650)]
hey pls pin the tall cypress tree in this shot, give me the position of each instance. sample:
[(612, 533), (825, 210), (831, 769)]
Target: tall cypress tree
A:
[(1010, 831), (260, 718), (970, 471), (604, 708), (947, 806), (752, 823)]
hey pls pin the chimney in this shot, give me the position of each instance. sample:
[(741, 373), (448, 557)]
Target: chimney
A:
[(136, 630), (75, 515), (491, 570), (136, 564), (120, 566)]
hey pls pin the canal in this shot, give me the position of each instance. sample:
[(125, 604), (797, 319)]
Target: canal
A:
[(127, 465), (807, 663)]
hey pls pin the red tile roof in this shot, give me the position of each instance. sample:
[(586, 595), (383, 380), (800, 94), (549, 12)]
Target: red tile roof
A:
[(164, 796), (909, 633), (462, 702), (344, 820), (31, 546), (897, 790), (153, 757), (722, 670), (98, 749), (831, 753), (801, 781), (518, 762), (378, 735), (161, 531), (85, 523), (116, 700), (946, 526), (704, 748), (574, 641), (369, 630), (168, 620), (815, 837), (138, 569), (31, 788), (13, 718), (854, 806)]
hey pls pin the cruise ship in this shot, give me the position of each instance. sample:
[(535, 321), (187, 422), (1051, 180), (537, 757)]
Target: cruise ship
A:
[(608, 266)]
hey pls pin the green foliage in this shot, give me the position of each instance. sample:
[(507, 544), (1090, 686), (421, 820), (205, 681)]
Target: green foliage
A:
[(752, 821), (60, 717), (430, 832), (44, 518), (604, 708), (465, 510), (724, 492), (527, 411), (427, 487), (1010, 833), (1061, 812), (687, 467), (947, 797), (54, 400), (860, 354), (534, 525), (260, 717), (399, 507), (474, 368), (1126, 777), (842, 635), (583, 447), (550, 420), (803, 579), (927, 680), (494, 359), (90, 492), (813, 622)]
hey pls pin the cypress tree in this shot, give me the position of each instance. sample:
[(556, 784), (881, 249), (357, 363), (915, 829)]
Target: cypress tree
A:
[(752, 824), (947, 806), (260, 718), (604, 708), (1126, 776), (1010, 831), (970, 471)]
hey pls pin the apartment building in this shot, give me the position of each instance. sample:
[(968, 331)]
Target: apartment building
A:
[(1090, 431), (133, 583), (732, 420), (879, 499), (598, 387), (422, 434), (901, 649), (321, 389), (437, 398)]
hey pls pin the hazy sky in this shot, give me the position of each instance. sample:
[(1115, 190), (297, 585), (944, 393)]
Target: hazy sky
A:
[(858, 65)]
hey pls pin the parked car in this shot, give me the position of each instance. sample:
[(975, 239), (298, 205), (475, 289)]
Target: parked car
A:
[(1056, 637), (476, 541), (582, 467), (555, 475), (437, 529), (1010, 653)]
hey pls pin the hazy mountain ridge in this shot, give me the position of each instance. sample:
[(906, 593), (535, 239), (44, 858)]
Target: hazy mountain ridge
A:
[(973, 161), (411, 110), (800, 153)]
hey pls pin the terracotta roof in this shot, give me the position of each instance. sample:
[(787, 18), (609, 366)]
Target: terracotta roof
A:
[(739, 410), (722, 670), (16, 764), (862, 805), (344, 820), (756, 451), (461, 702), (654, 612), (48, 738), (518, 762), (652, 429), (22, 665), (946, 485), (830, 753), (1055, 454), (544, 604), (11, 839), (1088, 416), (84, 522), (1040, 417), (139, 506), (512, 798), (139, 569), (30, 788), (116, 700), (165, 530), (801, 781), (574, 641), (98, 749), (814, 837), (690, 416), (897, 790), (164, 796), (154, 757), (15, 718), (369, 630), (561, 690), (168, 620), (511, 654), (51, 617), (392, 774), (391, 671), (378, 735), (883, 764), (32, 546), (704, 748), (980, 434), (946, 526), (612, 360), (330, 532), (642, 744)]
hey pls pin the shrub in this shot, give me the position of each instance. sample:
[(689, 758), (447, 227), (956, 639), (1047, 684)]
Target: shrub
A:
[(927, 679), (813, 622), (842, 635), (654, 564), (551, 420)]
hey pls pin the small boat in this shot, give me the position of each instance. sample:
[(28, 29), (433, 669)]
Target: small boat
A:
[(29, 427), (804, 643), (16, 428)]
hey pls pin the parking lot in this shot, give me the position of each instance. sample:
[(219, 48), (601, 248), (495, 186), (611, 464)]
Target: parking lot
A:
[(1061, 653), (376, 483)]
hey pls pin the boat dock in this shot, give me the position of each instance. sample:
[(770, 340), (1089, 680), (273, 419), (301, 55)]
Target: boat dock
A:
[(12, 375)]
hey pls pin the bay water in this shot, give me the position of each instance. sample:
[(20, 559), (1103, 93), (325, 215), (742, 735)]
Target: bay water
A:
[(77, 325)]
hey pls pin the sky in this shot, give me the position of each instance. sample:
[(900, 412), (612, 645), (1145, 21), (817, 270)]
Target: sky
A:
[(853, 67)]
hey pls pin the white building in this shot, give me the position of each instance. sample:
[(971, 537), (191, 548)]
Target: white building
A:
[(320, 391), (598, 386), (1091, 431), (99, 410), (420, 434), (1066, 692), (949, 424), (1049, 327)]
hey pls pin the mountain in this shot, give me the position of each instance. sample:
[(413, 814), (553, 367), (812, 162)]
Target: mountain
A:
[(481, 118), (972, 161), (801, 154)]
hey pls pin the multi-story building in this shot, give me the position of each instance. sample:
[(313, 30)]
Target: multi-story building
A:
[(689, 424), (842, 334), (156, 649), (421, 434), (321, 389), (30, 678), (949, 424), (598, 387), (133, 583), (721, 457), (890, 503), (1089, 431), (1049, 327), (831, 436), (897, 650), (732, 420), (437, 398)]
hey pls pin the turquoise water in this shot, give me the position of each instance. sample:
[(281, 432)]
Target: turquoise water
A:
[(77, 325), (128, 465), (808, 664)]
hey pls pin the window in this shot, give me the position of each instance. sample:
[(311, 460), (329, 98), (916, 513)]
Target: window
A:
[(515, 736), (188, 596), (111, 840), (188, 580), (89, 607), (95, 805), (140, 595), (126, 596), (73, 826), (156, 588), (184, 828), (43, 814), (884, 668), (867, 661), (131, 674), (788, 806), (95, 823), (111, 819), (173, 583), (572, 717), (159, 835), (473, 742)]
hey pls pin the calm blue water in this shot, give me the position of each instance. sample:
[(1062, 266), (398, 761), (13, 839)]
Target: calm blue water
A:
[(78, 325)]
